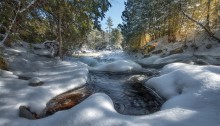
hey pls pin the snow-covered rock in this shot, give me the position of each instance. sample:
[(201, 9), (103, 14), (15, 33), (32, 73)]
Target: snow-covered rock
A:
[(7, 74), (157, 61), (35, 82)]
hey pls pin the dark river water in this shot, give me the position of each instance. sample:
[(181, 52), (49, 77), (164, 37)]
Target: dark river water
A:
[(127, 92)]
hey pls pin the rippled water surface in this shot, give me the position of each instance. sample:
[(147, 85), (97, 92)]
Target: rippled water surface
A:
[(130, 97)]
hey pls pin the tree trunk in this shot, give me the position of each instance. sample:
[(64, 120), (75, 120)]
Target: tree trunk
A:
[(8, 32), (208, 15), (201, 25)]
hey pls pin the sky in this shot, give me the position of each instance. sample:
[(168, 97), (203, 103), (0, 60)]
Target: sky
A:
[(114, 12)]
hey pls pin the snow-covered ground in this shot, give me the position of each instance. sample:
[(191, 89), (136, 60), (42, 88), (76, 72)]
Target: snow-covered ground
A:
[(58, 77), (192, 93)]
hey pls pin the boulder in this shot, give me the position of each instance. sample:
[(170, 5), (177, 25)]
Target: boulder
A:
[(65, 101), (26, 113)]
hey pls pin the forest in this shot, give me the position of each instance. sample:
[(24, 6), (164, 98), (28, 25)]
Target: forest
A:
[(145, 21)]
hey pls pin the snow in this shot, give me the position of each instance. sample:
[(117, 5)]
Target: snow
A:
[(90, 61), (58, 77), (191, 87), (156, 60), (192, 92), (119, 66), (34, 80), (7, 74)]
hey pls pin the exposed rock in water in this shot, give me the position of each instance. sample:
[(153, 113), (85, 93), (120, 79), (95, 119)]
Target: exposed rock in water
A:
[(26, 113), (65, 101)]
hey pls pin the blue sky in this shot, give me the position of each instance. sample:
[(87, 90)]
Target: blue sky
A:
[(114, 12)]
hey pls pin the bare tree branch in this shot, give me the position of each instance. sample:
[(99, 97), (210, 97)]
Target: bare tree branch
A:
[(201, 25)]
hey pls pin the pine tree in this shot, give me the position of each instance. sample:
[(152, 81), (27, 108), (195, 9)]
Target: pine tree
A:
[(109, 24)]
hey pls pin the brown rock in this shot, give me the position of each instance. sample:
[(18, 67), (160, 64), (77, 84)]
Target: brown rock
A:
[(65, 101)]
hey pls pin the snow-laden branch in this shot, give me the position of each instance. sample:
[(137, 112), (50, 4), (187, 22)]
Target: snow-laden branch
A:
[(8, 30)]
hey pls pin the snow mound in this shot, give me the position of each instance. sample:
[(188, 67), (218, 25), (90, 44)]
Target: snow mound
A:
[(7, 74), (190, 87), (119, 66)]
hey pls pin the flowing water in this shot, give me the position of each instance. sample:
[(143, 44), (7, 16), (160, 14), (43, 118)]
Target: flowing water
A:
[(128, 94)]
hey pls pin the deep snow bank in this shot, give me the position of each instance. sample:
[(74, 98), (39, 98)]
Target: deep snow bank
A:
[(58, 77)]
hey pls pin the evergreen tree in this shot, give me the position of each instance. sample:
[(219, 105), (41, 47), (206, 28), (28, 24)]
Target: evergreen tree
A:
[(116, 37), (109, 24), (38, 20)]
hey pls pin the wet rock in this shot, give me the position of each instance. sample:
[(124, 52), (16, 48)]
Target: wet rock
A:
[(35, 82), (65, 101), (208, 46), (26, 113), (176, 51)]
